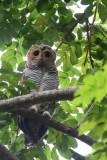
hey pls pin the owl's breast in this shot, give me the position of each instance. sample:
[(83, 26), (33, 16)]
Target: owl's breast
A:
[(49, 82), (34, 75)]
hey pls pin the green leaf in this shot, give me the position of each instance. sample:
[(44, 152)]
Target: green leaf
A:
[(67, 155), (5, 137), (78, 50), (19, 57), (102, 12), (3, 85), (48, 152), (51, 34), (21, 66), (6, 66), (73, 57), (59, 61), (8, 55), (66, 106), (104, 2), (99, 146), (79, 33), (51, 136), (65, 82), (72, 142), (29, 83), (66, 63), (64, 11), (33, 15), (62, 144), (42, 156), (70, 121), (62, 74), (16, 24), (42, 20), (86, 126), (41, 5), (54, 154), (89, 11), (73, 82)]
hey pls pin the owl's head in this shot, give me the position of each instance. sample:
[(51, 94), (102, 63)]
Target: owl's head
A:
[(42, 55)]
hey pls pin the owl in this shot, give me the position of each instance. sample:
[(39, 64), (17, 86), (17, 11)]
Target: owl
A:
[(41, 69)]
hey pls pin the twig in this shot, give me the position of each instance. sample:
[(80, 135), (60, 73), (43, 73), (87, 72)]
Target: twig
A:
[(75, 24), (87, 113), (95, 13), (89, 43), (89, 35), (86, 57)]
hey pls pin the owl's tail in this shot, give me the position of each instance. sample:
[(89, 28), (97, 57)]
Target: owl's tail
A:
[(33, 131)]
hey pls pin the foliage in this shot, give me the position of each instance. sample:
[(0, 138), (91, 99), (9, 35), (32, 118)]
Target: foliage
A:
[(23, 23)]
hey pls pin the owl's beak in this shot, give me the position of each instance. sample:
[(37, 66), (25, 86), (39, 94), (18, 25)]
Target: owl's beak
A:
[(41, 62)]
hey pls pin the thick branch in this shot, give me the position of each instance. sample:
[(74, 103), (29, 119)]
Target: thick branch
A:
[(36, 98), (5, 154), (77, 156), (54, 124), (16, 105)]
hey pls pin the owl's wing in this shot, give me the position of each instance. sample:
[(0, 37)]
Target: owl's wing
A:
[(33, 131)]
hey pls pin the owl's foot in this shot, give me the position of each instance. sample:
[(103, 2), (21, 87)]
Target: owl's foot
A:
[(46, 114), (34, 109)]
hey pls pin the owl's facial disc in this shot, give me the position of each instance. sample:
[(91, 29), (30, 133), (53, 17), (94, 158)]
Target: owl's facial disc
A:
[(41, 56)]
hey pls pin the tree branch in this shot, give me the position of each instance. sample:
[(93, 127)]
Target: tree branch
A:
[(89, 29), (36, 98), (5, 154), (89, 43), (15, 105), (77, 156), (54, 124)]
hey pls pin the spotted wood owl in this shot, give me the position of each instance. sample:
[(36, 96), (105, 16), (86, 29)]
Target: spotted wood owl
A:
[(41, 69)]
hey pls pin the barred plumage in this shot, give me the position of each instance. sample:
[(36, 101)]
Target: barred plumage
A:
[(41, 69)]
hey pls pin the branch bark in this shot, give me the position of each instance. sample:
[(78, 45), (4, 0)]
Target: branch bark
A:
[(19, 105), (16, 105), (5, 154), (35, 98), (49, 121), (77, 156)]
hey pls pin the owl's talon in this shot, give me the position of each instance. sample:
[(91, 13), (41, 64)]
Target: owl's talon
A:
[(34, 109), (46, 114)]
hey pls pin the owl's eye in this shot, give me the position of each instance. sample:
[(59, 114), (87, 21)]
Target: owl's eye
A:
[(47, 54), (36, 53)]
